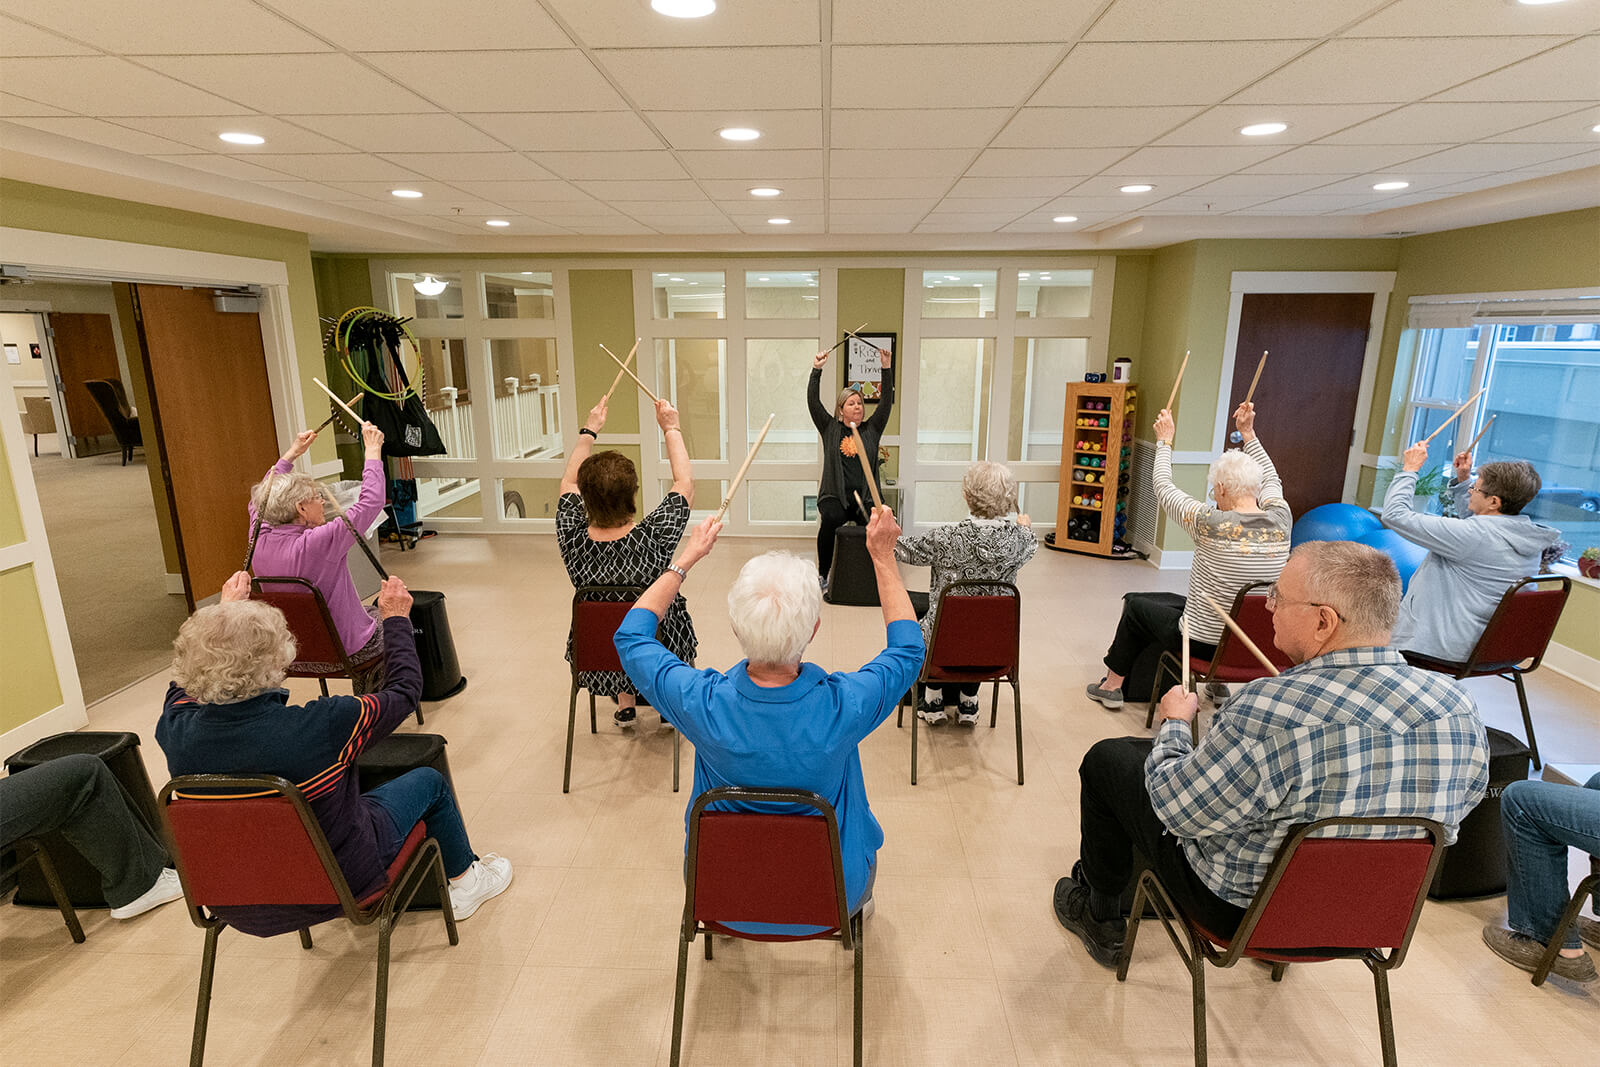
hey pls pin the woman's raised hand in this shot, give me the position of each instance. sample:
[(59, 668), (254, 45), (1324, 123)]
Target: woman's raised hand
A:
[(820, 360), (302, 444), (1244, 419), (1165, 426), (1462, 466), (666, 415), (597, 417), (1414, 457), (883, 358), (372, 438)]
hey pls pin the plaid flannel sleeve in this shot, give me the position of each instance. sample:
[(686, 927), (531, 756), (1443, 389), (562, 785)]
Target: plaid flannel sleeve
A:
[(1205, 790)]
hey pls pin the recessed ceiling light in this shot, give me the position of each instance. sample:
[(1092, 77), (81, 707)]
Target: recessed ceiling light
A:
[(952, 277), (430, 286), (527, 272), (497, 222), (738, 133), (766, 191), (406, 194), (763, 279), (1389, 187), (1539, 3), (1024, 274), (777, 222), (1264, 129), (674, 279), (1595, 128), (683, 9), (694, 283), (241, 138), (1065, 218), (1137, 188)]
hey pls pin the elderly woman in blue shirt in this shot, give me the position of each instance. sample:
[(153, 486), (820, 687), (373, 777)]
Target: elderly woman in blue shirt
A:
[(772, 719)]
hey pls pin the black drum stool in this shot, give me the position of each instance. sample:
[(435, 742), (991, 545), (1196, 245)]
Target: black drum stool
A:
[(852, 579), (393, 756)]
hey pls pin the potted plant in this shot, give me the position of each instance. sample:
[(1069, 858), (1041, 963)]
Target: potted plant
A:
[(1589, 562)]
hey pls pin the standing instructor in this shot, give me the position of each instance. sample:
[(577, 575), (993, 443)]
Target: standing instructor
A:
[(842, 477)]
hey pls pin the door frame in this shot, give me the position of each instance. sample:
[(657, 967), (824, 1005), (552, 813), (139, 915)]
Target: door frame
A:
[(1380, 283)]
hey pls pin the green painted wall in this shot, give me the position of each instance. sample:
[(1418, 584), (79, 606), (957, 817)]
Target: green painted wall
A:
[(602, 313), (26, 663), (11, 532), (876, 296)]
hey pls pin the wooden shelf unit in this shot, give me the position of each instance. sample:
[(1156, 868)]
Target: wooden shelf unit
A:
[(1096, 466)]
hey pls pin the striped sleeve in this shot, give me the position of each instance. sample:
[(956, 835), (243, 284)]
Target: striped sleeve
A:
[(1183, 508)]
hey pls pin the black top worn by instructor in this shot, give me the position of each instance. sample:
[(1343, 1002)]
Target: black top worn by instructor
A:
[(842, 476)]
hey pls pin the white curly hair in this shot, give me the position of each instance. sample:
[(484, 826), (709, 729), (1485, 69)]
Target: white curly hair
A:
[(232, 651)]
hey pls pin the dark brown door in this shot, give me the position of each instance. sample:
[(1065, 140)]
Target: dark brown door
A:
[(1306, 399), (211, 412), (85, 349)]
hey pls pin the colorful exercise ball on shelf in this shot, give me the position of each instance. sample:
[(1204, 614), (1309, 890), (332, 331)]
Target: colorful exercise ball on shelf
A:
[(1334, 522), (1407, 555)]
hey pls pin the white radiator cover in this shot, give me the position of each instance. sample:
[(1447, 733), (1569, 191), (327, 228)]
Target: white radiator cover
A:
[(1142, 505)]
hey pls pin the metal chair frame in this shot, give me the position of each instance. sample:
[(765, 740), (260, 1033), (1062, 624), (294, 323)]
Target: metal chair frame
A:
[(848, 931), (30, 850), (1196, 948), (386, 911), (1169, 664), (1569, 915)]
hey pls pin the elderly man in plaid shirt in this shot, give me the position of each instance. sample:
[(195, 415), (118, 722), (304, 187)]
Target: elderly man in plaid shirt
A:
[(1350, 730)]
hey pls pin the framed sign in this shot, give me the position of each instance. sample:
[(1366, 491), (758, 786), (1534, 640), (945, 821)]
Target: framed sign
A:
[(862, 367)]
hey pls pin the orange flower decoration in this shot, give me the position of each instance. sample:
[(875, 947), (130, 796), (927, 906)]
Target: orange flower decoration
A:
[(847, 447)]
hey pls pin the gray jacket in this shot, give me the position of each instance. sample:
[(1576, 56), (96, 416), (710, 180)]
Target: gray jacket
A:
[(1470, 564)]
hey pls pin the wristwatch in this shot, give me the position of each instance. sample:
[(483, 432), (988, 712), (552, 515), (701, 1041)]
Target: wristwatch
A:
[(591, 433), (683, 575)]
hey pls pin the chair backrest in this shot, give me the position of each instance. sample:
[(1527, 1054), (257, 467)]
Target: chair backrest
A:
[(1344, 892), (1250, 612), (597, 611), (766, 867), (40, 415), (316, 638), (978, 632), (249, 840), (1523, 623), (105, 396)]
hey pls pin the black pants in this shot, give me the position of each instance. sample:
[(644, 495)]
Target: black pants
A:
[(1117, 818), (833, 515), (1148, 627)]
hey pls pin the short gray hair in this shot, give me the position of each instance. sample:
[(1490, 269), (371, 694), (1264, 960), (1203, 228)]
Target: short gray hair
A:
[(1358, 581), (774, 606), (277, 497), (1514, 481), (232, 651), (990, 489), (1235, 474)]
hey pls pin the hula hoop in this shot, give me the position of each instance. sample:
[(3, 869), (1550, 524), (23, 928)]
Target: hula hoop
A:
[(339, 339)]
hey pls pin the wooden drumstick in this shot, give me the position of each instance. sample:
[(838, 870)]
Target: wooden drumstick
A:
[(1240, 634), (1259, 367), (849, 334), (859, 505), (1481, 432), (353, 399), (866, 468), (341, 403), (625, 363), (1470, 400), (733, 487), (629, 373), (1179, 381), (1184, 629)]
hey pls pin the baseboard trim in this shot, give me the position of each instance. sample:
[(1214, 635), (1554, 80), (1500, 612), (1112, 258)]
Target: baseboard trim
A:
[(1172, 559), (58, 720), (175, 584), (1581, 668)]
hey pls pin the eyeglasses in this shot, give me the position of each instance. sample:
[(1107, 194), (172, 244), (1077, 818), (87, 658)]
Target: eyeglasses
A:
[(1274, 601)]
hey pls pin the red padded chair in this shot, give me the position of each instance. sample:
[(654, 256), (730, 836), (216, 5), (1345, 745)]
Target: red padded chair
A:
[(976, 638), (1519, 631), (597, 611), (258, 843), (1324, 898), (756, 867), (318, 653), (1232, 662)]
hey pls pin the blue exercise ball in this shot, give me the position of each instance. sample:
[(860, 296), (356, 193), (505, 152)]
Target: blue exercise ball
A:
[(1334, 522), (1407, 555)]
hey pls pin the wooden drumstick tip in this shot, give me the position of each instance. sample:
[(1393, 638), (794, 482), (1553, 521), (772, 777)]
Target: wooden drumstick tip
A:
[(1241, 635)]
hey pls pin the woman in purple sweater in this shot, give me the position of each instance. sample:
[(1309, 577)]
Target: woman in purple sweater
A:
[(297, 539)]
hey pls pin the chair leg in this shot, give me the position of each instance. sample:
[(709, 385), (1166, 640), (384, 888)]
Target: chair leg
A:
[(1016, 707), (709, 954), (914, 718), (676, 761), (58, 892), (1277, 971), (994, 705), (592, 727), (677, 997), (572, 722), (305, 938), (1131, 933), (1197, 978), (1568, 915), (860, 927), (1527, 719), (380, 1007), (324, 683), (1380, 981), (202, 1010), (1155, 692)]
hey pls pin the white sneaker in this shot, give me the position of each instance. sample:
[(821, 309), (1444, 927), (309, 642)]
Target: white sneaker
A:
[(488, 876), (968, 714), (932, 714), (166, 889)]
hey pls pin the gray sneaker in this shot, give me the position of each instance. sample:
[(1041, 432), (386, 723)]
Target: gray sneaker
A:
[(1589, 930), (1524, 952), (1216, 692), (1111, 698)]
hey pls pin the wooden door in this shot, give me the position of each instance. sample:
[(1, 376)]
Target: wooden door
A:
[(211, 413), (1306, 400), (85, 349)]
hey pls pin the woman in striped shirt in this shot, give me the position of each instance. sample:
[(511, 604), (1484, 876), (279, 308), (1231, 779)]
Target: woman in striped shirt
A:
[(1243, 538)]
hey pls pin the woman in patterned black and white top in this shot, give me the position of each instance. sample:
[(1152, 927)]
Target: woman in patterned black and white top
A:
[(601, 544), (987, 545)]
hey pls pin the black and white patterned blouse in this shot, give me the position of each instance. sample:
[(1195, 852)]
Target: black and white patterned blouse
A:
[(971, 548), (637, 559)]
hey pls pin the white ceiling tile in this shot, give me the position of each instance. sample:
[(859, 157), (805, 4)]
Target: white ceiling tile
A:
[(1094, 199), (877, 223), (380, 191), (1440, 122), (1362, 186), (914, 76), (668, 208), (457, 167), (1201, 205), (407, 25), (1223, 20), (899, 163), (754, 165), (310, 190), (1580, 161), (708, 79), (887, 188), (20, 39), (547, 80), (595, 166), (453, 204), (949, 223), (1469, 18), (96, 131), (18, 106), (915, 128), (622, 228), (1089, 127), (882, 207), (1336, 159), (1564, 73), (779, 129), (1480, 158), (1377, 71), (733, 188), (502, 192), (1018, 187), (226, 166), (1198, 159), (627, 189), (1576, 127), (401, 133), (1041, 222), (936, 21), (567, 131), (1159, 74), (327, 167), (179, 27), (1043, 162), (743, 210), (1303, 205), (1262, 185), (294, 84), (678, 225), (202, 131), (797, 224), (105, 87), (621, 24), (1220, 125), (1462, 183), (568, 209), (973, 205)]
